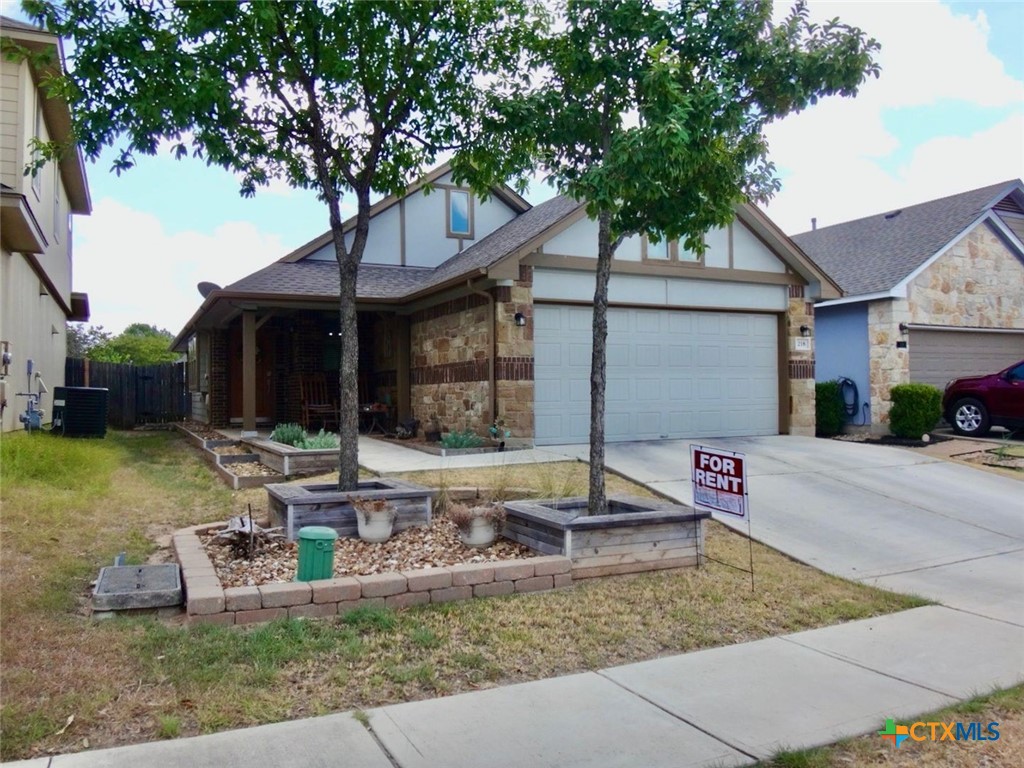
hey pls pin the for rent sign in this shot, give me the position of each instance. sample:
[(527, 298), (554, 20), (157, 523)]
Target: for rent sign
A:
[(719, 480)]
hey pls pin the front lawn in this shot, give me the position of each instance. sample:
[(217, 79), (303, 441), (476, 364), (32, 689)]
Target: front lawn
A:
[(69, 506)]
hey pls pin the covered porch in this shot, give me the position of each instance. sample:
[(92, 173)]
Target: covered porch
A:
[(254, 369)]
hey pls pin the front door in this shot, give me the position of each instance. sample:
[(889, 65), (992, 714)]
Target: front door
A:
[(266, 342)]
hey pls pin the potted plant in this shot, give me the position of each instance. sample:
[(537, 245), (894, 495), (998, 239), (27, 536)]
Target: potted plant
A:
[(478, 526), (375, 519), (499, 433), (432, 430)]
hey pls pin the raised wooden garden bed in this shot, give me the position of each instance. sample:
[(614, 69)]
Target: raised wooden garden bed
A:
[(637, 535), (290, 461), (293, 506)]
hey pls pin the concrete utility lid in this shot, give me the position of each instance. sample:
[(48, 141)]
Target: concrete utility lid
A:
[(124, 587)]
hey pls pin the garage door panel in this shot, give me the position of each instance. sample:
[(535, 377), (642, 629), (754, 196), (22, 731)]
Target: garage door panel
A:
[(936, 356), (680, 323), (670, 374), (708, 356), (648, 355), (648, 322), (709, 324), (680, 356)]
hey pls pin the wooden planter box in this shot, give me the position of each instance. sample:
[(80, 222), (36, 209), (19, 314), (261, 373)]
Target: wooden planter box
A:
[(294, 506), (637, 535), (290, 461)]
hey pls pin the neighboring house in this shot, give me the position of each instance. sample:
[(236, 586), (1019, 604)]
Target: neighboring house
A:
[(471, 310), (36, 299), (931, 292)]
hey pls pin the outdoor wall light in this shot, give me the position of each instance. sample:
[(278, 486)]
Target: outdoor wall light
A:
[(805, 330), (520, 319), (904, 329)]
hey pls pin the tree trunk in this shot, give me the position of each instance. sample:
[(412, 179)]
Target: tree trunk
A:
[(348, 378), (597, 503)]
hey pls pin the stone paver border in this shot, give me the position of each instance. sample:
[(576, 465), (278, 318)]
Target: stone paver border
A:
[(208, 602)]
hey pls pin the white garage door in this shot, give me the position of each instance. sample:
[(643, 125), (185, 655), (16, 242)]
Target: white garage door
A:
[(936, 356), (671, 374)]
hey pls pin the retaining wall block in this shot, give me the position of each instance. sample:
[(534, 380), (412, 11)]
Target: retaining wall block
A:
[(382, 584), (286, 594)]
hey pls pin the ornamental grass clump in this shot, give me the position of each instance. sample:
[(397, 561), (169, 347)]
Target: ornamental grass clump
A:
[(289, 434)]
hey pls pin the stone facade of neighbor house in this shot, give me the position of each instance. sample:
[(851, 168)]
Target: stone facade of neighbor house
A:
[(932, 291), (976, 283)]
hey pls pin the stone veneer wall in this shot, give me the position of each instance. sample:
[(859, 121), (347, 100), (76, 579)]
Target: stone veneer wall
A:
[(514, 369), (451, 347), (977, 283), (800, 364), (208, 602)]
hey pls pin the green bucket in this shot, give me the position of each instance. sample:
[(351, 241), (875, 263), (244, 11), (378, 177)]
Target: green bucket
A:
[(316, 553)]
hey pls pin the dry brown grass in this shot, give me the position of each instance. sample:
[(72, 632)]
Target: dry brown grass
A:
[(134, 680)]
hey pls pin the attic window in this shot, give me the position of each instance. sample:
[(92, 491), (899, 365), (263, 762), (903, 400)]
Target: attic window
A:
[(460, 214)]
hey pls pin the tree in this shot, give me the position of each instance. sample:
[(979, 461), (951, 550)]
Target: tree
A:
[(339, 97), (655, 118), (139, 344), (82, 338)]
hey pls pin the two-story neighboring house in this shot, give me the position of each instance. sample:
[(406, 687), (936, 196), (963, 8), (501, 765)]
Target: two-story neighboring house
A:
[(472, 309), (36, 297)]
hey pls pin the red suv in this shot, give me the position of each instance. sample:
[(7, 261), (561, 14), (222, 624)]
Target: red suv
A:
[(974, 404)]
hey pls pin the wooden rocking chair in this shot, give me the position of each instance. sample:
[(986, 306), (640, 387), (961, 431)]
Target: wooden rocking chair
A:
[(316, 403)]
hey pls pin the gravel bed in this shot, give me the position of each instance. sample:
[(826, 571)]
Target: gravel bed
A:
[(203, 431), (414, 548)]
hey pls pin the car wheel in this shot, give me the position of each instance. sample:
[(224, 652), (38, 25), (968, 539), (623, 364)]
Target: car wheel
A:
[(970, 418)]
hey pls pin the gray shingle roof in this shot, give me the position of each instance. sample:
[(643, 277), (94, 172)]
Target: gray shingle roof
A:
[(6, 22), (874, 254), (317, 279)]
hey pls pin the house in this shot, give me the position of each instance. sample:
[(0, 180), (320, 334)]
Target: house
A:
[(36, 297), (473, 309), (931, 292)]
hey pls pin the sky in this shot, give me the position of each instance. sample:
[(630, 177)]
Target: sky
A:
[(945, 116)]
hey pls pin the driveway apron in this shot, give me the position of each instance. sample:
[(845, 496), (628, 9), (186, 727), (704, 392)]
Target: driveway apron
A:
[(881, 515)]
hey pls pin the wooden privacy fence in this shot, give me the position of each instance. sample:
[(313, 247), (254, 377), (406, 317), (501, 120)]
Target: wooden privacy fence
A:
[(138, 394)]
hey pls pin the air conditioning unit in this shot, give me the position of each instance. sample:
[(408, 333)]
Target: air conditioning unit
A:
[(79, 412)]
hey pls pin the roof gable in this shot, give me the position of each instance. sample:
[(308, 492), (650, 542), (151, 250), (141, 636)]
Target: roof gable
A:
[(877, 253)]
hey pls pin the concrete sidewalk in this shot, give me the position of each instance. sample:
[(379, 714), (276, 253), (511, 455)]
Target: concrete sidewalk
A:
[(721, 707), (389, 456)]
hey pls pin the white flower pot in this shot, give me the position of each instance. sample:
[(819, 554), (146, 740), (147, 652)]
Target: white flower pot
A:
[(480, 533), (375, 527)]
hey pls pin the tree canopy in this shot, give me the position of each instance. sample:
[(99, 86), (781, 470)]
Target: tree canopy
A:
[(345, 98), (654, 116), (139, 344)]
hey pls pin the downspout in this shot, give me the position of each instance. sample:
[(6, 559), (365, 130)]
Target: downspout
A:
[(492, 389)]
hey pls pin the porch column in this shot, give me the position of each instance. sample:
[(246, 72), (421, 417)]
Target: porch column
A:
[(249, 373), (403, 406)]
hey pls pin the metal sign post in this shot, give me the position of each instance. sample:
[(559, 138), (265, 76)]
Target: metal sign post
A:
[(719, 480)]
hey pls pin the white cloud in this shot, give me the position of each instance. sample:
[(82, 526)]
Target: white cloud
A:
[(831, 156), (135, 271)]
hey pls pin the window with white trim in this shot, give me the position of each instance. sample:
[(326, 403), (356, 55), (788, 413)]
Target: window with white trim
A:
[(460, 214)]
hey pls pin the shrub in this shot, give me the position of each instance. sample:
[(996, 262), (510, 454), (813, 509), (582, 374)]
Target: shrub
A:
[(319, 441), (916, 408), (461, 440), (828, 408), (289, 434)]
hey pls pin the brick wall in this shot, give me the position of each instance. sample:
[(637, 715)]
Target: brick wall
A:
[(218, 405)]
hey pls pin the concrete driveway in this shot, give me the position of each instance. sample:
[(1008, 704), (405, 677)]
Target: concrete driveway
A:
[(884, 516)]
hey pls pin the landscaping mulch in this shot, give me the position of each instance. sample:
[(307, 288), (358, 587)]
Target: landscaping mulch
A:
[(435, 546)]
